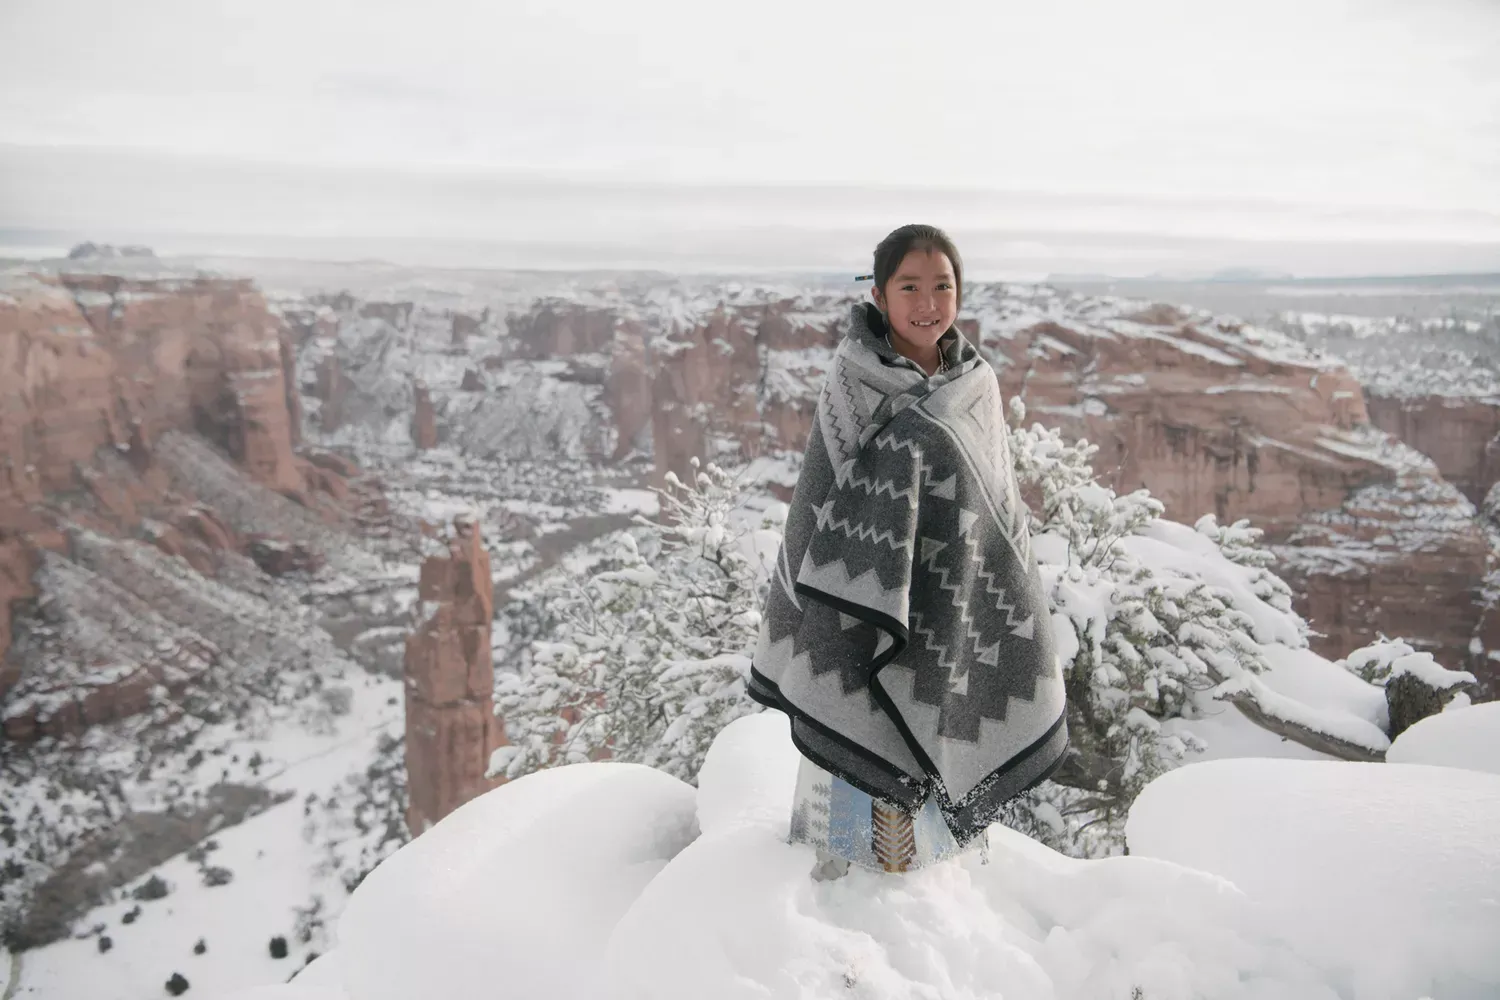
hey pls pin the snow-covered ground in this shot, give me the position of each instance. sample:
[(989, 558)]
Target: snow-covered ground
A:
[(277, 863), (1248, 879)]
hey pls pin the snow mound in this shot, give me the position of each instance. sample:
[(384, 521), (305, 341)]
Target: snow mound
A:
[(1390, 873), (1467, 738), (294, 990), (520, 886), (324, 974), (749, 775), (1269, 880)]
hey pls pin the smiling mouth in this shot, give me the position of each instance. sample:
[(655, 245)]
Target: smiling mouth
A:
[(920, 324)]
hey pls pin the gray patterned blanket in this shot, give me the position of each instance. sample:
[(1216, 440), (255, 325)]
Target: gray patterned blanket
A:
[(906, 631)]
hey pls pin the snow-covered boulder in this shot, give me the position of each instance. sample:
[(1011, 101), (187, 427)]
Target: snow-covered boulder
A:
[(1389, 874), (1460, 737), (515, 893)]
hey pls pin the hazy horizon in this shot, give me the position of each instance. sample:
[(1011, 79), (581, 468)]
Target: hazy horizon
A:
[(197, 205)]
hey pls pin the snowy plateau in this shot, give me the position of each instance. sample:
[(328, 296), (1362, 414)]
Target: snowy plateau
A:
[(250, 842)]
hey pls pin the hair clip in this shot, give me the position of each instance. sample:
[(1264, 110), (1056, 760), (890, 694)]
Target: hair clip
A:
[(864, 277)]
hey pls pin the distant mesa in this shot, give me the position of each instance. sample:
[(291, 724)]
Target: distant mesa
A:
[(102, 251)]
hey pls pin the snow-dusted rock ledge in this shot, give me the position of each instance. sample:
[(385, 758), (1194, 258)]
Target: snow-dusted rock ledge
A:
[(1267, 879)]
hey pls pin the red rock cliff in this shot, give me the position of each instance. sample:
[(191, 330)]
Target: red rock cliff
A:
[(94, 371), (1461, 435), (82, 357)]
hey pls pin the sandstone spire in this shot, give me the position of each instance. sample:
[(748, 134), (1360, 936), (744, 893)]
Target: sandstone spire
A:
[(450, 720)]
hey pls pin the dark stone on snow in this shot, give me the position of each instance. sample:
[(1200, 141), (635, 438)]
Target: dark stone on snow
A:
[(1410, 699), (105, 943), (200, 947), (129, 918), (214, 875), (278, 947), (177, 985), (154, 887)]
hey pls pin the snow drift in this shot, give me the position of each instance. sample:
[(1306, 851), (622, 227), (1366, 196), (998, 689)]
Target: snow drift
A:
[(1266, 879), (1466, 737)]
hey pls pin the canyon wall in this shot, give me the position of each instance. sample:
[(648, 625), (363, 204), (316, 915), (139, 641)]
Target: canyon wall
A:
[(1210, 415), (117, 397), (1461, 435)]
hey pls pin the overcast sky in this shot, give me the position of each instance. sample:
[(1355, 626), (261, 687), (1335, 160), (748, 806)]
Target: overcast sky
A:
[(1388, 108)]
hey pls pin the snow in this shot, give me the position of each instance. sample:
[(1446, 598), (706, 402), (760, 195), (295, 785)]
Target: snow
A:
[(749, 775), (1426, 669), (1388, 873), (1467, 737), (275, 870), (325, 973), (1338, 724), (1219, 390), (1178, 549), (1226, 733), (1306, 677), (1213, 354), (296, 990), (521, 885), (631, 501), (1248, 880)]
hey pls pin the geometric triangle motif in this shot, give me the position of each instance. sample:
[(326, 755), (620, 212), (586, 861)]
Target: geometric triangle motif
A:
[(870, 398)]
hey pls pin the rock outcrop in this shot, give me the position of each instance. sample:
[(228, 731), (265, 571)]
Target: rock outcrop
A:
[(330, 389), (451, 727), (86, 355), (1400, 558), (1460, 434), (556, 328), (1209, 417), (423, 417), (109, 388), (466, 326), (719, 378)]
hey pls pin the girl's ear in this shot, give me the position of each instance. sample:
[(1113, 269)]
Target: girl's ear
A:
[(879, 299)]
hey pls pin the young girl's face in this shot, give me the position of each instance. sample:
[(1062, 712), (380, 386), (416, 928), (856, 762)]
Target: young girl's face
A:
[(920, 301)]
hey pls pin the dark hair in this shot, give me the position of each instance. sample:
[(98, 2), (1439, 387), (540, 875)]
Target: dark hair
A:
[(894, 248)]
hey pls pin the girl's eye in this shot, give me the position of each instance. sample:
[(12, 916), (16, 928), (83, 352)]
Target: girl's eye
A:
[(908, 288), (944, 286)]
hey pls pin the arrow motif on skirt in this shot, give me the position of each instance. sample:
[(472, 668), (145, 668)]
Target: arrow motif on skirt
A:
[(895, 840)]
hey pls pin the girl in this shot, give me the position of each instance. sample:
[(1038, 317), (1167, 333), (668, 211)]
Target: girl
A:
[(906, 631)]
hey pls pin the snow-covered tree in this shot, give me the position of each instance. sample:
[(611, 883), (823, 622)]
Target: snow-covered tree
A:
[(649, 650), (1136, 639), (642, 651)]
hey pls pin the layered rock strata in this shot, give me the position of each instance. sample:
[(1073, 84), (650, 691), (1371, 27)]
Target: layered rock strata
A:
[(119, 398)]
